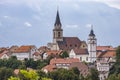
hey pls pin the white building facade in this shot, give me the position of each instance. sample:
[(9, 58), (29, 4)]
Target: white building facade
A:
[(92, 44)]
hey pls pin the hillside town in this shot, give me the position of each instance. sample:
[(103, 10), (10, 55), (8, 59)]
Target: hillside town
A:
[(67, 53)]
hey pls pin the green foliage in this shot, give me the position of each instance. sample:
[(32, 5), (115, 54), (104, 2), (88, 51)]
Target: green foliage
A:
[(94, 75), (13, 78), (118, 54), (28, 75), (31, 63), (115, 69), (63, 74), (5, 73), (64, 54), (34, 64), (114, 77), (76, 70), (10, 63), (46, 79), (48, 59), (41, 74)]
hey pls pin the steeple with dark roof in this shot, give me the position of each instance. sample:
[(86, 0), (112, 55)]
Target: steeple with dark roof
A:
[(57, 31), (91, 32), (57, 21)]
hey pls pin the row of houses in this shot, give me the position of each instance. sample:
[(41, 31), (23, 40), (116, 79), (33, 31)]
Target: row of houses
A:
[(105, 58)]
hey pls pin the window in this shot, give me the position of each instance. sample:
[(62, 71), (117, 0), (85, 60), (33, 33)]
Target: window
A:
[(54, 34), (58, 34), (75, 45), (80, 58), (86, 58)]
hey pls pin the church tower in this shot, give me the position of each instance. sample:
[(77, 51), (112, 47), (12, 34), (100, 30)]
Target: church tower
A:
[(57, 31), (92, 44)]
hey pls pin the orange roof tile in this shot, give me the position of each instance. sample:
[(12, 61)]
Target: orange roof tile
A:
[(54, 52), (63, 61), (24, 49), (49, 68), (105, 48), (109, 53)]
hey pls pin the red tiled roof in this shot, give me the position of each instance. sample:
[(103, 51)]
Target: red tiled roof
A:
[(105, 48), (44, 48), (54, 52), (109, 53), (24, 49), (63, 61), (36, 53), (69, 43), (49, 68), (80, 51), (4, 52)]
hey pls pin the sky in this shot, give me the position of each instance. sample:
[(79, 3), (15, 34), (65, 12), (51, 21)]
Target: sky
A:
[(30, 22)]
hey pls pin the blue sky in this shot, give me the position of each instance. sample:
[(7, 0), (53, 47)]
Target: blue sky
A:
[(30, 22)]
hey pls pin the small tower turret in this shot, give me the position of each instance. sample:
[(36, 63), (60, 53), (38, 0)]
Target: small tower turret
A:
[(92, 44)]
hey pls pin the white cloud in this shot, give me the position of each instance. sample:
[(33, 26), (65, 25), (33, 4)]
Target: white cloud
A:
[(36, 4), (28, 24), (111, 3), (89, 25), (6, 17), (72, 26)]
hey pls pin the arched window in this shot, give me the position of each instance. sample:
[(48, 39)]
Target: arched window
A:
[(58, 34)]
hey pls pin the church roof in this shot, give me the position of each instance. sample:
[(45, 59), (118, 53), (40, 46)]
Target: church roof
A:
[(81, 51), (69, 43), (57, 21)]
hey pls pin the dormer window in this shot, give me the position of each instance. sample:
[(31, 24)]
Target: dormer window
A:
[(75, 45)]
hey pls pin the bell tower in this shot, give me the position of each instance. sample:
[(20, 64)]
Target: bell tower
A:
[(92, 43), (57, 31)]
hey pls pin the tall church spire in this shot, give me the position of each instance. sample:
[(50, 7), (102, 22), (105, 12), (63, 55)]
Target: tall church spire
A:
[(57, 31), (57, 21)]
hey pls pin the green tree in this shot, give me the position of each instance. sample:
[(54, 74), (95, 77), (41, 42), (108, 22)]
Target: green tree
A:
[(76, 70), (5, 73), (94, 75), (27, 75), (63, 74), (118, 54), (64, 54), (41, 74), (13, 78), (115, 69), (30, 63), (114, 77)]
